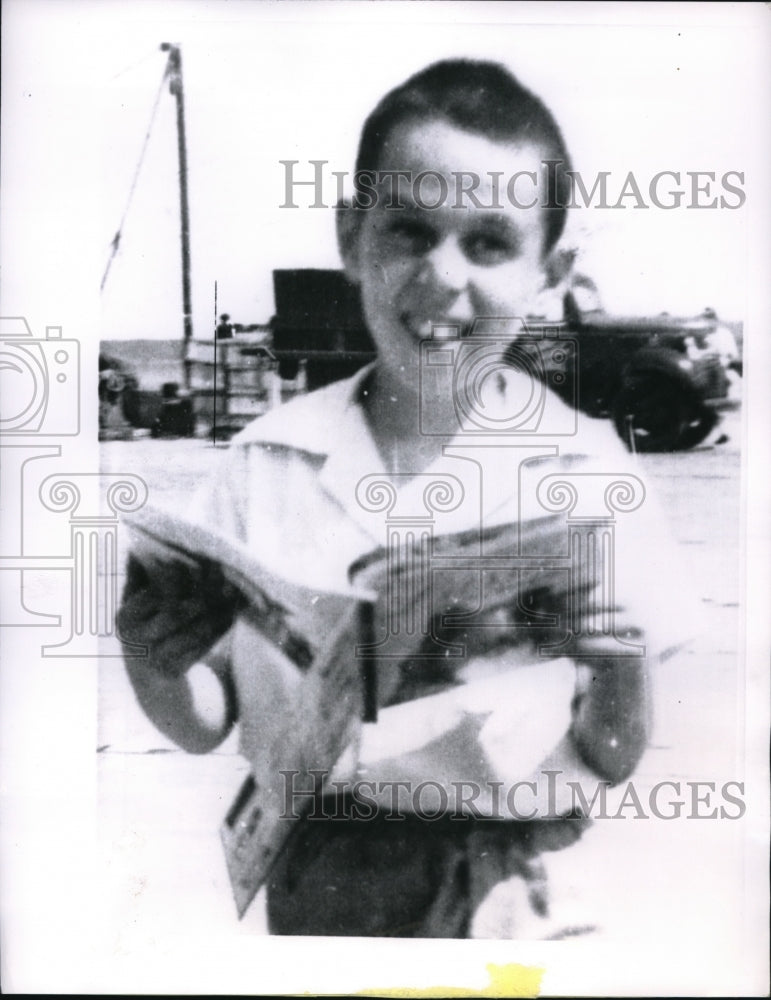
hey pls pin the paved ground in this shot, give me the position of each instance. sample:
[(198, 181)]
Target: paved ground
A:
[(161, 808)]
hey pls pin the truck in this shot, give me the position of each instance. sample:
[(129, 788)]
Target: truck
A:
[(662, 380)]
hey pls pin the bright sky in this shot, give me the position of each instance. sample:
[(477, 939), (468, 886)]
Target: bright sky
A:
[(266, 82)]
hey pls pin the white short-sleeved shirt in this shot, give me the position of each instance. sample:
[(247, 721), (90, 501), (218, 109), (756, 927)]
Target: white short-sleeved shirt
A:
[(299, 487)]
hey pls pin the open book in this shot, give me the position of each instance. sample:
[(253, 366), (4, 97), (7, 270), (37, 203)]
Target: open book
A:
[(440, 662)]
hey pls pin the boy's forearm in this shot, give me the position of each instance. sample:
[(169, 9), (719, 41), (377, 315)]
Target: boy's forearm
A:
[(612, 716), (179, 621), (196, 715)]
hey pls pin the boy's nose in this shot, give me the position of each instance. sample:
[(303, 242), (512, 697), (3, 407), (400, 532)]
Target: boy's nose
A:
[(448, 267)]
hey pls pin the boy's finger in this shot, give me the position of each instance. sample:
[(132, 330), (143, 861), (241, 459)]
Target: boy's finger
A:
[(162, 625)]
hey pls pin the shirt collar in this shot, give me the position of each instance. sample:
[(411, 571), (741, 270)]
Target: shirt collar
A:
[(321, 423), (330, 423)]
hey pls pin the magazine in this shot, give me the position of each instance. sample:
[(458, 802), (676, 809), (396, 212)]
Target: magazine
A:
[(434, 664)]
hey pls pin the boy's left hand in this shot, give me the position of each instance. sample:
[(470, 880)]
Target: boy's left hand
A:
[(177, 610)]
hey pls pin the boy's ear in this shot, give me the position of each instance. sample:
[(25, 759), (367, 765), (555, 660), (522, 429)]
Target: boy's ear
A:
[(347, 220)]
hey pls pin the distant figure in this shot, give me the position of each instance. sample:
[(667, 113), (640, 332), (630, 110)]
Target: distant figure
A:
[(224, 329)]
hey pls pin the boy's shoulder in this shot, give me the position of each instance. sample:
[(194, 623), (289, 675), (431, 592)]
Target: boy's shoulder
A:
[(307, 422)]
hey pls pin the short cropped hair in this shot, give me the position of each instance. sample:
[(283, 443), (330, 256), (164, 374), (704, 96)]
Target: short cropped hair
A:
[(479, 97)]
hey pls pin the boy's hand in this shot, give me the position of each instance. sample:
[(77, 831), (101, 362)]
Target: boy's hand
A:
[(178, 610)]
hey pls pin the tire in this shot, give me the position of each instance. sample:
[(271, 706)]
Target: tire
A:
[(655, 412)]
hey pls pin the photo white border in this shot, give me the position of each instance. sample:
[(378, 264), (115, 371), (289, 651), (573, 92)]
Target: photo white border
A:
[(51, 936)]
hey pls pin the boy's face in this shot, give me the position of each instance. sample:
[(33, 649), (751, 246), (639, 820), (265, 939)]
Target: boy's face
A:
[(419, 266)]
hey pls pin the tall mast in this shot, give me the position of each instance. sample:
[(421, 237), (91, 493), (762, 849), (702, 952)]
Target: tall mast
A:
[(175, 88)]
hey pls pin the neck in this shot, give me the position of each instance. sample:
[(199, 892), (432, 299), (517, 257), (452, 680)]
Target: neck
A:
[(408, 429)]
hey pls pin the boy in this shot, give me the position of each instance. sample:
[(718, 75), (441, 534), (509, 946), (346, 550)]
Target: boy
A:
[(435, 240)]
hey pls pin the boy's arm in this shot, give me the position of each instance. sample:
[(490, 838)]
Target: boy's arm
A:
[(179, 610), (645, 599), (178, 614), (612, 711), (177, 708)]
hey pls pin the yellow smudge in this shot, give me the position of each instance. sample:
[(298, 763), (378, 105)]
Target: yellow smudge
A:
[(510, 980)]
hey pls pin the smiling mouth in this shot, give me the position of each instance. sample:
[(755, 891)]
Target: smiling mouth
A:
[(436, 329)]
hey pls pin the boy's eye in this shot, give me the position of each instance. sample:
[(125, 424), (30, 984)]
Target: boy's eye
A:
[(413, 235), (489, 249)]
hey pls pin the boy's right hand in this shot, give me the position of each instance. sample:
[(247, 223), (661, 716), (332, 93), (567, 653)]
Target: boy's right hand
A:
[(177, 609)]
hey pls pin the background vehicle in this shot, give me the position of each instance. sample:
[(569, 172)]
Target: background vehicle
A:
[(662, 380), (319, 321)]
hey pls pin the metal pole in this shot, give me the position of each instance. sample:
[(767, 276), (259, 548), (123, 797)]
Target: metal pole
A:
[(214, 413), (175, 88)]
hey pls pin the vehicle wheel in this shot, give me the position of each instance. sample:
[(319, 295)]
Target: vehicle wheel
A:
[(653, 412)]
